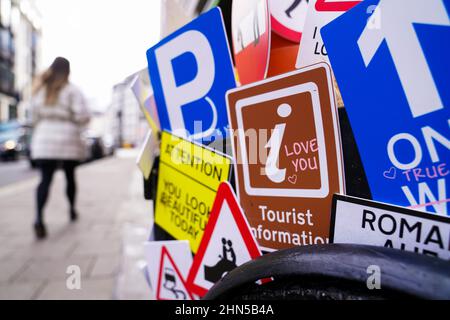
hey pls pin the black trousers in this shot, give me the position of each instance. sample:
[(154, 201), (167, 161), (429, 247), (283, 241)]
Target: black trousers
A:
[(48, 168)]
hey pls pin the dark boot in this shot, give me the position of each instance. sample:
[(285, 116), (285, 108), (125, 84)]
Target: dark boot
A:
[(73, 215), (40, 230)]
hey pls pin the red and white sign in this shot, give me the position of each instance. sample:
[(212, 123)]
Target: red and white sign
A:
[(168, 264), (335, 5), (226, 244), (171, 285), (320, 13), (251, 39), (288, 18)]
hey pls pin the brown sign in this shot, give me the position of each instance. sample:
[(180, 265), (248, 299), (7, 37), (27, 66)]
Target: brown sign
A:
[(288, 156)]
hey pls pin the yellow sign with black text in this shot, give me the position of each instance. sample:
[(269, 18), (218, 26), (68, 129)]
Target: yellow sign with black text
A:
[(189, 176)]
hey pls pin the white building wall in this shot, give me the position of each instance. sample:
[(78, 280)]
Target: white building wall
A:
[(128, 126), (175, 14)]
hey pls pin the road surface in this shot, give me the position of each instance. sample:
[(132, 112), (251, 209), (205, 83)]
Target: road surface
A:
[(15, 171)]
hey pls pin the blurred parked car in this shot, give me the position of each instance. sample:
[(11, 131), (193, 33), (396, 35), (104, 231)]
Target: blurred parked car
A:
[(13, 140), (98, 146)]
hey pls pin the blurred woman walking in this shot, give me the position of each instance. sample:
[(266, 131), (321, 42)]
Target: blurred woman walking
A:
[(59, 114)]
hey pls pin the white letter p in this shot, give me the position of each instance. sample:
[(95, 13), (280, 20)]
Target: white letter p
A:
[(197, 44)]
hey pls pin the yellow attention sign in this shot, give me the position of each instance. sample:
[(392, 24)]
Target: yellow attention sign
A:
[(189, 176)]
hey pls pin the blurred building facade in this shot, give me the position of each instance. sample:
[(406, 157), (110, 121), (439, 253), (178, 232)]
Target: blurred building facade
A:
[(20, 55), (124, 116), (176, 13)]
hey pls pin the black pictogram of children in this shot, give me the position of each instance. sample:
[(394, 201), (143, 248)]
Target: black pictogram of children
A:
[(226, 263)]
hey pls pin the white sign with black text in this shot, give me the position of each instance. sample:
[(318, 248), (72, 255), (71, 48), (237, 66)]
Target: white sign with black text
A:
[(360, 221)]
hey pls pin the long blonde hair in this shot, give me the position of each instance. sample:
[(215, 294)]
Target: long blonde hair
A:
[(53, 80)]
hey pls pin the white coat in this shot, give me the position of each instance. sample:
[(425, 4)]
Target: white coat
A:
[(58, 128)]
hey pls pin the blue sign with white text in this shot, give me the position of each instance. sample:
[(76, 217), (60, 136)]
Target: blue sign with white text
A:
[(191, 70), (391, 59)]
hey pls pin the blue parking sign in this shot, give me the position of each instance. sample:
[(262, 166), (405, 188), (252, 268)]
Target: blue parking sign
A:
[(190, 71), (391, 59)]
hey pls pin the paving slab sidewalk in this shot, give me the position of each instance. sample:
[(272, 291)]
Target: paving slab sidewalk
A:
[(110, 202)]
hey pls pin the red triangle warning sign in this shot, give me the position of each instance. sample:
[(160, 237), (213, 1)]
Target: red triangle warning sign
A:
[(226, 244), (171, 285)]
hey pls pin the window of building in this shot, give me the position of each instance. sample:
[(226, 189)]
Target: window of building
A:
[(13, 111), (6, 79)]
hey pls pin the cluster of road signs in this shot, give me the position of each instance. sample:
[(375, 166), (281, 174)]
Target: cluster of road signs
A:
[(227, 243), (388, 59)]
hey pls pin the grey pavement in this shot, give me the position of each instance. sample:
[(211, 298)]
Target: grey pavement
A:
[(105, 243), (15, 171)]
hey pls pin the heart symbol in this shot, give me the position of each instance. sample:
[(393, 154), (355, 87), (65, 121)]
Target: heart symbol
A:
[(293, 179), (390, 174)]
